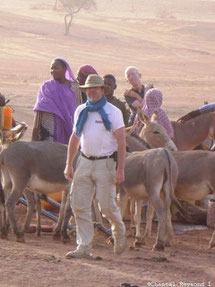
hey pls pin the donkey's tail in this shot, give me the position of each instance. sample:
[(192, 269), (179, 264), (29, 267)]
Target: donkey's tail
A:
[(172, 185)]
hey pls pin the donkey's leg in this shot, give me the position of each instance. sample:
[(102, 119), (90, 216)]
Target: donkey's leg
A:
[(38, 212), (123, 199), (137, 216), (67, 215), (170, 231), (132, 220), (211, 243), (167, 203), (61, 214), (149, 219), (162, 215), (11, 201), (158, 205), (137, 220), (30, 209)]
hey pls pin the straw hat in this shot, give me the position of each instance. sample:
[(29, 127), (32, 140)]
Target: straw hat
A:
[(93, 80)]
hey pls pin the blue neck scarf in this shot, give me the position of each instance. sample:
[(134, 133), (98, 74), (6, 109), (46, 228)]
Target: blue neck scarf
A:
[(93, 107)]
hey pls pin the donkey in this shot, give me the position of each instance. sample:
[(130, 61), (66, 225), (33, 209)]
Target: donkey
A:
[(195, 181), (153, 133), (152, 175), (191, 133), (38, 166)]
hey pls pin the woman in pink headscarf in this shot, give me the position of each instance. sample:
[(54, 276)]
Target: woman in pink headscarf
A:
[(55, 105), (152, 103), (83, 72)]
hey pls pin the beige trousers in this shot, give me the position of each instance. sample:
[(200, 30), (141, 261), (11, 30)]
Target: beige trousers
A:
[(95, 178)]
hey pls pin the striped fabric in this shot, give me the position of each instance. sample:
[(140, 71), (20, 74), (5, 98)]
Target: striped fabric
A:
[(47, 126)]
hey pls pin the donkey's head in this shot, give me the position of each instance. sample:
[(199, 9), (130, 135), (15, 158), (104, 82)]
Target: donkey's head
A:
[(153, 133)]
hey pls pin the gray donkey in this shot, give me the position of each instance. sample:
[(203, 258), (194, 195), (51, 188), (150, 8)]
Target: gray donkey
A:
[(37, 166)]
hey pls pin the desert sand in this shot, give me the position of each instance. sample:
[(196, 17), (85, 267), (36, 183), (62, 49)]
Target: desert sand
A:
[(172, 42)]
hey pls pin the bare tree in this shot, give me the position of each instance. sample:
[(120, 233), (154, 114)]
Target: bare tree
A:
[(73, 7), (55, 5)]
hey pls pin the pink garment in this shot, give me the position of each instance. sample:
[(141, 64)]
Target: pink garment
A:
[(87, 70), (153, 102)]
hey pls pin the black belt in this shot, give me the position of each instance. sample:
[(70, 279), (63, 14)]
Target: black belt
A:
[(96, 157)]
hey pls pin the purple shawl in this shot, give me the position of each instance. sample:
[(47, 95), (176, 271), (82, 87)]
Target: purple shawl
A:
[(59, 99)]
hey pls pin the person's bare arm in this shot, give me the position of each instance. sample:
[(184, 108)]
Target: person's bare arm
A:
[(136, 104), (72, 151), (133, 94), (120, 137)]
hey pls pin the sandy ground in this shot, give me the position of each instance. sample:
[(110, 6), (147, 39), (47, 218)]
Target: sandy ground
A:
[(172, 43), (41, 262)]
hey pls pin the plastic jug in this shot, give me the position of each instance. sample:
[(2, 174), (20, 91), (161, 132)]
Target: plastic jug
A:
[(7, 118)]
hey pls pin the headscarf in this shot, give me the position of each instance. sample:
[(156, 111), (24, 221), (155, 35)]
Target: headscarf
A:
[(59, 99), (92, 107), (69, 74), (153, 102), (86, 70)]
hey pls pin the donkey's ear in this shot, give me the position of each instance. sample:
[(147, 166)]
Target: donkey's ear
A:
[(142, 117), (154, 117), (129, 130)]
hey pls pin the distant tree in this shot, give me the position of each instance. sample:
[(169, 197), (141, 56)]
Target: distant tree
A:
[(73, 7), (55, 5)]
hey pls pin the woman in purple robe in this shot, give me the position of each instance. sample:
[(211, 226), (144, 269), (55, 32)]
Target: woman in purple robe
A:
[(55, 105)]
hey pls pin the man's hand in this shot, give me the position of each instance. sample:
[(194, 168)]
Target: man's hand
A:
[(120, 176), (189, 116), (69, 173), (71, 153)]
